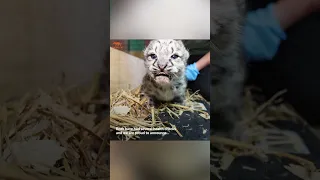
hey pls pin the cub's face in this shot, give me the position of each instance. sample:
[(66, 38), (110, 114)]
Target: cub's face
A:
[(165, 60)]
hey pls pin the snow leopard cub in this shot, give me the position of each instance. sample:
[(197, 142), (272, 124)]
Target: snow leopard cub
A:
[(165, 81), (227, 65)]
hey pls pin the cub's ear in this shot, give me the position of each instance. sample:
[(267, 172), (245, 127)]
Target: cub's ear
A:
[(179, 41), (148, 48), (145, 54), (186, 53)]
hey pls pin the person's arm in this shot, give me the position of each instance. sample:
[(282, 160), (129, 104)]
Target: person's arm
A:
[(288, 12), (203, 62), (264, 28), (192, 70)]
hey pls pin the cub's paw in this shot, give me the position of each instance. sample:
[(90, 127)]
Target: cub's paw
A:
[(179, 100), (151, 102)]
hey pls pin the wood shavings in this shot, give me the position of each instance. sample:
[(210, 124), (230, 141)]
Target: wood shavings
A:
[(286, 141), (175, 128), (37, 127), (39, 153), (198, 106), (249, 168), (299, 171), (139, 114), (215, 171), (153, 116), (50, 136), (255, 150), (205, 115), (120, 110), (258, 119), (204, 131), (261, 115), (302, 172), (265, 105), (226, 161), (10, 171), (173, 113)]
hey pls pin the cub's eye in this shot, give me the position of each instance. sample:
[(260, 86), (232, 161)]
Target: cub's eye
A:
[(153, 56), (174, 56)]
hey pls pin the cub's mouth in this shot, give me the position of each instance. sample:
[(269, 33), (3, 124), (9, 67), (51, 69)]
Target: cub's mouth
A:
[(163, 74), (162, 78)]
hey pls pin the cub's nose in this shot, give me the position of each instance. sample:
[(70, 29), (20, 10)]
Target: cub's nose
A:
[(162, 66)]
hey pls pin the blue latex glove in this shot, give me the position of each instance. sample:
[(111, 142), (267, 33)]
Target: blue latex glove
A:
[(192, 72), (262, 34)]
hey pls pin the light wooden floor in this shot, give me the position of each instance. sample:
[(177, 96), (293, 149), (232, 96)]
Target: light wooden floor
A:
[(126, 71)]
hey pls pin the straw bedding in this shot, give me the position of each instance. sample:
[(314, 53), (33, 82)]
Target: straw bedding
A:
[(62, 135), (129, 110), (259, 115), (58, 135)]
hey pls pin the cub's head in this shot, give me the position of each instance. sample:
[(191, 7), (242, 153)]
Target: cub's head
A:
[(165, 60)]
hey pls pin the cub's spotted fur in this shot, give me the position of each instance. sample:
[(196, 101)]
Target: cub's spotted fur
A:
[(227, 65), (165, 61)]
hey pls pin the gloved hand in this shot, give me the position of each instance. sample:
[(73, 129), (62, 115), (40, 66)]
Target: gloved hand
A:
[(262, 34), (192, 72)]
